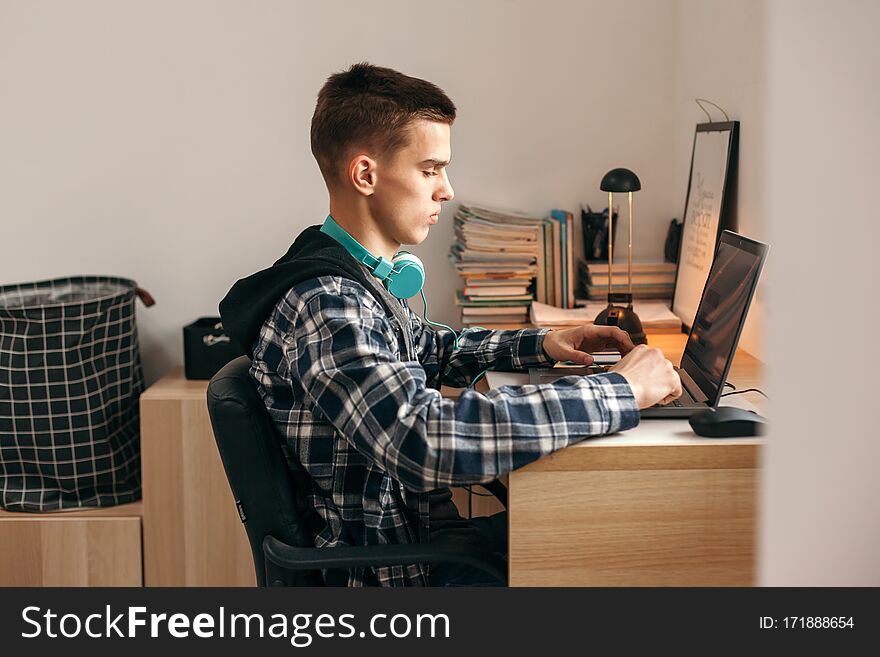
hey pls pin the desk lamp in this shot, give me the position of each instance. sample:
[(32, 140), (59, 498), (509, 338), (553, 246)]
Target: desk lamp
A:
[(616, 314)]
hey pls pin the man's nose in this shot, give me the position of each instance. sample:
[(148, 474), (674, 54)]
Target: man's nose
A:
[(445, 193)]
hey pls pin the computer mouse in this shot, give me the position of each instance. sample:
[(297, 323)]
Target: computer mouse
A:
[(727, 422)]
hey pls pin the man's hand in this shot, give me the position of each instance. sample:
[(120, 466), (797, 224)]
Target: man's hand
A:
[(576, 344), (650, 375)]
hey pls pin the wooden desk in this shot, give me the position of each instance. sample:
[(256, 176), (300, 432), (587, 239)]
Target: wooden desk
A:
[(654, 506)]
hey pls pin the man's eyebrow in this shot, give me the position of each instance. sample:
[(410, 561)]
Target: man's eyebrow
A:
[(434, 162)]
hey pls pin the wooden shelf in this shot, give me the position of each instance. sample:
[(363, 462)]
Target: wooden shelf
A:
[(84, 547)]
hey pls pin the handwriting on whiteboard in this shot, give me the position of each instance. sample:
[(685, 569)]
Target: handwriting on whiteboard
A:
[(703, 225)]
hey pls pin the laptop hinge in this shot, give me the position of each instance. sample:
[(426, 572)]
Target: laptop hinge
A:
[(692, 387)]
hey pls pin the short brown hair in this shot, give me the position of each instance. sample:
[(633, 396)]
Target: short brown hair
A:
[(370, 106)]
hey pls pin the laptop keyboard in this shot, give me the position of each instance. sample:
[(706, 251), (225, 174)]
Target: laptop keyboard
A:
[(684, 400)]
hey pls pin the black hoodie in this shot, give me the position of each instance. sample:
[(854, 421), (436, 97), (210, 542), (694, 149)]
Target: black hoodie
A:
[(251, 300), (313, 254)]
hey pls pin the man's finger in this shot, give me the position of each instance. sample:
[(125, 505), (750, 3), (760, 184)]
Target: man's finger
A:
[(677, 391), (619, 339), (577, 356), (625, 343), (610, 336), (581, 357)]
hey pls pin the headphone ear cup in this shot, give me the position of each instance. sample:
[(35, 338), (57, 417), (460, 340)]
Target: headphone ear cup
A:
[(407, 278)]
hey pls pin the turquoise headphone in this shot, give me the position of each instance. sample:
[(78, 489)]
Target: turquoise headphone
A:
[(403, 277)]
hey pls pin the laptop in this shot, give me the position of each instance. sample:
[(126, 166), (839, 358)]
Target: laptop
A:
[(718, 323)]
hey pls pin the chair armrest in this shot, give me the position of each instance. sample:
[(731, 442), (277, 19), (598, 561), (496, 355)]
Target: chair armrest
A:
[(292, 558)]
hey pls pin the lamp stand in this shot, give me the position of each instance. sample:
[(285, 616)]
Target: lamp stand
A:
[(615, 313)]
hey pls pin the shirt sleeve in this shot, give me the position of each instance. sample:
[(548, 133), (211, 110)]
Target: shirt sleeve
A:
[(343, 351), (477, 350)]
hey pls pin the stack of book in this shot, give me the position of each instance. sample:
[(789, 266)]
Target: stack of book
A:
[(650, 280), (498, 254)]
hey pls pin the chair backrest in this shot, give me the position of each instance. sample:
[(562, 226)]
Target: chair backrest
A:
[(251, 452)]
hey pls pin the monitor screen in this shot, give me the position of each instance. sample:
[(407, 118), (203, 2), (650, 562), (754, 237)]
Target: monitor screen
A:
[(721, 314)]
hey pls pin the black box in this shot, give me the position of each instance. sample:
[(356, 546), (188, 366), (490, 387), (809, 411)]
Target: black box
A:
[(206, 348)]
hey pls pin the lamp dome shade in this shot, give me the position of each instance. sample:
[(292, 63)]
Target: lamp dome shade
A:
[(620, 180)]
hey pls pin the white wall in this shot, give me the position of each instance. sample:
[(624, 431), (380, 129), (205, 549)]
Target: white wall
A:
[(802, 79), (168, 141), (820, 522), (720, 56)]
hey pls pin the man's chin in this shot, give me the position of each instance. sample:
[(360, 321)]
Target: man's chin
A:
[(417, 237)]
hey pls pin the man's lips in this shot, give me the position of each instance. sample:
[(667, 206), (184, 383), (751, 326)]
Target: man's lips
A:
[(434, 218)]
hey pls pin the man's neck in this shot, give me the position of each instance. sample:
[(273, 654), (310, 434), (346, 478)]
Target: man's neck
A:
[(364, 230)]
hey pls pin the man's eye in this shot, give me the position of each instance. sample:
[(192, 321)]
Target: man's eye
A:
[(430, 173)]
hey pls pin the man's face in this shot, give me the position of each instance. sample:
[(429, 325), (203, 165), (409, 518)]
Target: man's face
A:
[(411, 184)]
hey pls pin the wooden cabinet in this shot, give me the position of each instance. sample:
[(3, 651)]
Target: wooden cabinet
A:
[(187, 523), (95, 547), (192, 533)]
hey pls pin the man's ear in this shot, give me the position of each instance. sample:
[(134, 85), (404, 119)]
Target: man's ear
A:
[(362, 174)]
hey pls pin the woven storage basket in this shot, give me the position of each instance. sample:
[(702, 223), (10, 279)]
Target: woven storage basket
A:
[(70, 380)]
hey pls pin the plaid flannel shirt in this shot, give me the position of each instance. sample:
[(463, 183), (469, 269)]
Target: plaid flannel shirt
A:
[(365, 431)]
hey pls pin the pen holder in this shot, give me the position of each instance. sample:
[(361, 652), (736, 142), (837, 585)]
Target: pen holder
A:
[(594, 226)]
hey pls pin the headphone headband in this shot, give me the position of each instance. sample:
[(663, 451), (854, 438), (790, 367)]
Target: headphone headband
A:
[(403, 277)]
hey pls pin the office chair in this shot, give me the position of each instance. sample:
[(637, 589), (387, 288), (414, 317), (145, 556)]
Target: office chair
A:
[(283, 550)]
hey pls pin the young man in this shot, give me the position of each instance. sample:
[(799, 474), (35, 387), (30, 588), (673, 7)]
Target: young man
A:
[(350, 375)]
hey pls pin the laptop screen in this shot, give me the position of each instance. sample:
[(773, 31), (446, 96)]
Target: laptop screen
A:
[(721, 314)]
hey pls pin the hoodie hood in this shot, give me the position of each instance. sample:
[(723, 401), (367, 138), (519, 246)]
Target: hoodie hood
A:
[(247, 306)]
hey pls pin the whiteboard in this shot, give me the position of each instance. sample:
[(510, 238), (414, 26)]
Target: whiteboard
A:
[(707, 213)]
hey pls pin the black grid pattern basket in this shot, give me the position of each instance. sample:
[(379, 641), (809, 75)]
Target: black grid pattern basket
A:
[(70, 380)]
